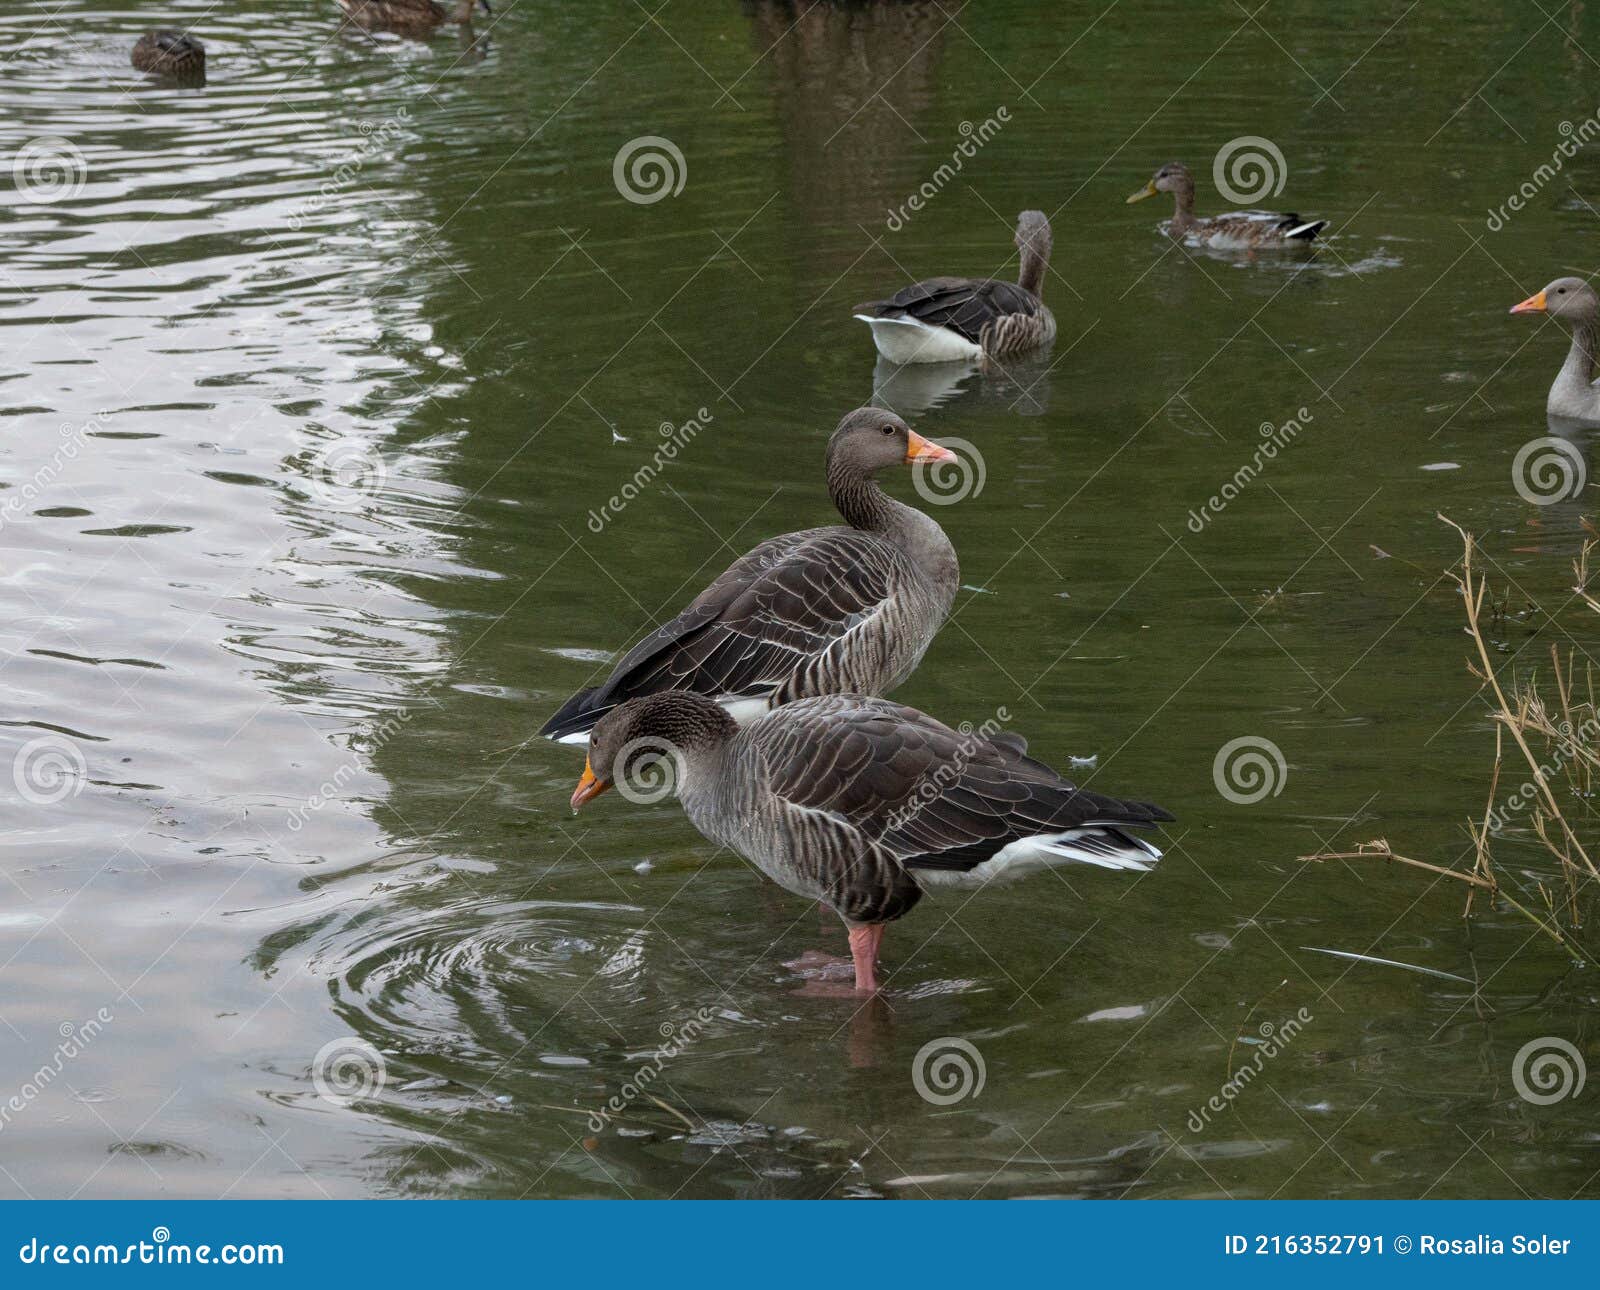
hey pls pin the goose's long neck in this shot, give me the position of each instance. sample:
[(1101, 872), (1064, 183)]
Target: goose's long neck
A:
[(464, 11), (1034, 260), (866, 506), (1574, 386)]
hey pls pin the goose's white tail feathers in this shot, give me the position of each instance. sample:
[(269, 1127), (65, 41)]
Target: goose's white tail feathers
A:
[(1103, 846), (906, 340)]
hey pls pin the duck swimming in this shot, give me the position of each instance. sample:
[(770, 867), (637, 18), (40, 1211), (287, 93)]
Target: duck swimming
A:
[(170, 53), (408, 17), (1233, 231)]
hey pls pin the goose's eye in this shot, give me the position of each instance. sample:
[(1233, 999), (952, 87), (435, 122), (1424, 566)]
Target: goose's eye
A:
[(888, 429), (1561, 291)]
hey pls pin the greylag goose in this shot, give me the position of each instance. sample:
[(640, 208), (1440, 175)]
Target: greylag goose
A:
[(1234, 231), (1574, 394), (408, 17), (170, 53), (847, 608), (862, 803), (945, 320)]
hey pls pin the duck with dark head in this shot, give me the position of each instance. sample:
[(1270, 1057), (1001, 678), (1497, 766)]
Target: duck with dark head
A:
[(414, 18), (173, 54)]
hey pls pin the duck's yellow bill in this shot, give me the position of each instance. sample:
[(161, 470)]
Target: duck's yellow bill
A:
[(1532, 305), (1149, 190), (589, 787)]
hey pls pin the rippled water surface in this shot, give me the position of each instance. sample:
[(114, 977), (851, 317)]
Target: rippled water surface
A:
[(316, 376)]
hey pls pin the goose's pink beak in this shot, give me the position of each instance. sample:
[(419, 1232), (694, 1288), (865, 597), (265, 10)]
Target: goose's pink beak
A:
[(589, 787), (1532, 305), (920, 449)]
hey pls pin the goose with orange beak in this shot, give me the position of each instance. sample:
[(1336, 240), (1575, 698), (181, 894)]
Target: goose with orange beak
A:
[(1574, 395), (848, 608)]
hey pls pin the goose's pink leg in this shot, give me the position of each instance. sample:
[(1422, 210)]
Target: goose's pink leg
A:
[(864, 941)]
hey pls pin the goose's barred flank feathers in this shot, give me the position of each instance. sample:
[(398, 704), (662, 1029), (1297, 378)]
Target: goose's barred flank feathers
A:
[(814, 612)]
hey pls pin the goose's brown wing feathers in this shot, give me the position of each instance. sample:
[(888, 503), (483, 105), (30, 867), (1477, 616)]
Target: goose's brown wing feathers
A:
[(929, 796), (772, 611), (963, 305)]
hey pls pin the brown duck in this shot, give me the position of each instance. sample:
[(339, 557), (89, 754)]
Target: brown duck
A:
[(1233, 231), (408, 17), (170, 53)]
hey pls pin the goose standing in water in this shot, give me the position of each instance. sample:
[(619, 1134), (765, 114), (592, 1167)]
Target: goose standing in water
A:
[(864, 804), (1574, 394), (170, 53), (821, 611), (945, 320), (408, 17), (1234, 231)]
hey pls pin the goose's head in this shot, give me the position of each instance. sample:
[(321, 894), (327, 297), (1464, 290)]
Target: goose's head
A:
[(1570, 299), (1174, 177), (870, 439), (646, 744), (1033, 234)]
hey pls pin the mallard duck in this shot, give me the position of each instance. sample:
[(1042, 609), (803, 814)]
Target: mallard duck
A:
[(170, 53), (861, 803), (1234, 231), (945, 320), (408, 17), (1574, 394), (816, 612)]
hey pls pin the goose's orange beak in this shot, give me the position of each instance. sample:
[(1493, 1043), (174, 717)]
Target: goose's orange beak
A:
[(1532, 305), (589, 787), (920, 449)]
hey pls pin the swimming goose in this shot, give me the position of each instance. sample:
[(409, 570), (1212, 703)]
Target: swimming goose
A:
[(1574, 394), (820, 611), (1234, 231), (407, 17), (170, 53), (945, 320), (862, 803)]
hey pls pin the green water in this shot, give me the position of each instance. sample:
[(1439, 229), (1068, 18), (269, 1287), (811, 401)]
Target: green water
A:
[(348, 345)]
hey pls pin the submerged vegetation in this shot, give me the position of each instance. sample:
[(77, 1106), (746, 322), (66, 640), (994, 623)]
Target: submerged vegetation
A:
[(1550, 722)]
